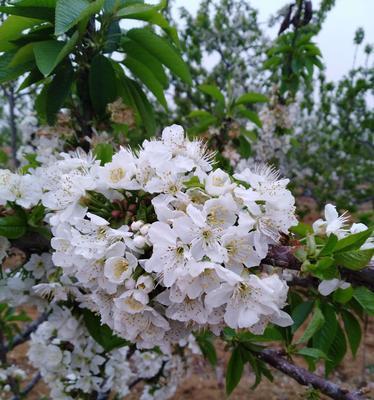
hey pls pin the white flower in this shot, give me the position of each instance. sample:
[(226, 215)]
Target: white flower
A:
[(117, 269), (251, 300), (333, 223), (329, 286), (218, 182), (119, 173)]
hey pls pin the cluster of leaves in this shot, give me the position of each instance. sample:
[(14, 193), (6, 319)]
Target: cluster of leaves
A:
[(65, 48), (227, 117)]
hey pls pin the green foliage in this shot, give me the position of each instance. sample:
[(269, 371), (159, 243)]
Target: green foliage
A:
[(83, 31), (102, 333)]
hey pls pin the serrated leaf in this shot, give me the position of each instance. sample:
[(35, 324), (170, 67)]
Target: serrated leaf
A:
[(12, 227), (46, 55), (139, 53), (301, 229), (353, 331), (365, 297), (337, 351), (343, 295), (234, 370), (354, 241), (43, 13), (300, 313), (354, 259), (142, 105), (104, 152), (313, 327), (326, 334), (312, 352), (250, 98), (328, 248), (70, 12), (102, 83), (251, 115), (162, 50), (102, 334), (58, 91), (212, 91), (142, 72)]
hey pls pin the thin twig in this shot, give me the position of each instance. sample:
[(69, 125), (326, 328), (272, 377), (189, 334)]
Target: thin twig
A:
[(25, 335), (36, 378), (306, 378)]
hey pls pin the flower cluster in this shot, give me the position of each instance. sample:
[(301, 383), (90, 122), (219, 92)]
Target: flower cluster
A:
[(337, 224), (159, 242), (72, 363)]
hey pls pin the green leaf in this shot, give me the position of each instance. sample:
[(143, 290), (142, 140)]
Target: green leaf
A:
[(251, 115), (353, 331), (204, 340), (14, 25), (102, 334), (300, 313), (142, 105), (138, 11), (102, 83), (104, 152), (312, 352), (7, 73), (313, 327), (324, 269), (365, 297), (354, 259), (212, 91), (250, 98), (147, 77), (343, 295), (328, 248), (41, 104), (337, 351), (245, 149), (301, 229), (37, 3), (12, 227), (30, 12), (23, 55), (46, 55), (326, 334), (162, 50), (354, 241), (234, 370), (70, 12), (200, 114), (139, 53), (58, 91)]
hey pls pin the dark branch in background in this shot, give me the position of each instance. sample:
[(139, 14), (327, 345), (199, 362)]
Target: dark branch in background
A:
[(283, 257), (304, 377), (28, 387), (25, 335)]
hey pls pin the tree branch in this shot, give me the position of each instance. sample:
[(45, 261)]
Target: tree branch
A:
[(25, 335), (283, 257), (306, 378), (36, 378)]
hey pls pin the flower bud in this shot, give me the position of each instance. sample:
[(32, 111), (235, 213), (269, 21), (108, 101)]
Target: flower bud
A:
[(139, 241), (136, 225), (144, 229)]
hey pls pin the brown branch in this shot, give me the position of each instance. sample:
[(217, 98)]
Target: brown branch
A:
[(29, 387), (304, 377), (283, 257)]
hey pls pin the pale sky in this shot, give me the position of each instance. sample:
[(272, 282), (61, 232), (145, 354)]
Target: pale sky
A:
[(336, 37)]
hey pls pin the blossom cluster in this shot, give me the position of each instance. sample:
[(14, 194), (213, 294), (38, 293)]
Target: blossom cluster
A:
[(160, 243), (337, 224), (72, 363)]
